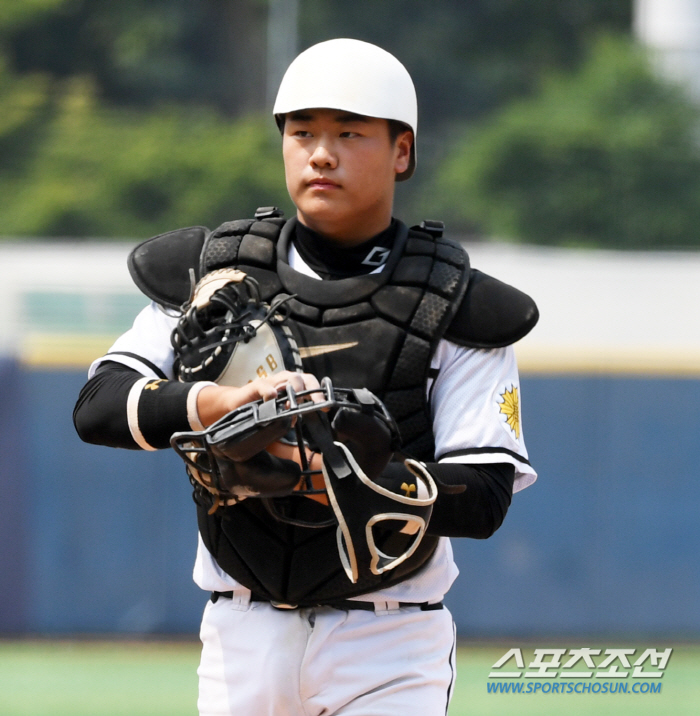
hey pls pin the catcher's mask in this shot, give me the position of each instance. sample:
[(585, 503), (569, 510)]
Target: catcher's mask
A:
[(213, 339), (380, 520)]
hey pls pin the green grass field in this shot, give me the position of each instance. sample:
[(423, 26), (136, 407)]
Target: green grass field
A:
[(84, 678)]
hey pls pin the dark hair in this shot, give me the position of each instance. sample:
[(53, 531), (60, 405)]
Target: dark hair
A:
[(396, 128)]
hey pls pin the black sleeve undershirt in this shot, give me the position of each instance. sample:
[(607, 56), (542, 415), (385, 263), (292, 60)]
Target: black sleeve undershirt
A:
[(476, 512), (100, 414)]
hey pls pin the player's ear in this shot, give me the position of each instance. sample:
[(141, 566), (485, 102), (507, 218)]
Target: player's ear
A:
[(403, 144)]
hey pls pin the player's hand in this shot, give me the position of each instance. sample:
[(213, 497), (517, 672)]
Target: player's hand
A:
[(215, 401)]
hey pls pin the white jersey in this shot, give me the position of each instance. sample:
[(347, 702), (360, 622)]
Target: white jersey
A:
[(475, 404)]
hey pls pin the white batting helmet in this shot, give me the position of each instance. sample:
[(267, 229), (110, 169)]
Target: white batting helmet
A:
[(352, 76)]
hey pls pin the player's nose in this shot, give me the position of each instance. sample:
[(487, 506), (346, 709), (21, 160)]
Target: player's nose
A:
[(323, 156)]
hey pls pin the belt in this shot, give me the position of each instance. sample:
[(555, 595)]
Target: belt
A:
[(340, 604)]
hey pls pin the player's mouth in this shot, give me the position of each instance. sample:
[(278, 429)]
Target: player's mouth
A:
[(323, 184)]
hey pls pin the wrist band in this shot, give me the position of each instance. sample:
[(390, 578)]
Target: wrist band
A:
[(192, 412)]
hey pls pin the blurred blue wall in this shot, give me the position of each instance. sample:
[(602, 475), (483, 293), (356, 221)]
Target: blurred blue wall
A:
[(606, 542)]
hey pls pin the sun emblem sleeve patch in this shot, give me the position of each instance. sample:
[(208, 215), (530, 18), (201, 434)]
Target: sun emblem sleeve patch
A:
[(509, 406)]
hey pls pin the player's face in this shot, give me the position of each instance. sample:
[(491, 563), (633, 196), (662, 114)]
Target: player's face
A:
[(341, 171)]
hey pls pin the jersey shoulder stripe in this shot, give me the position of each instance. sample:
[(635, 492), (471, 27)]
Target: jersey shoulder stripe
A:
[(483, 451), (139, 358)]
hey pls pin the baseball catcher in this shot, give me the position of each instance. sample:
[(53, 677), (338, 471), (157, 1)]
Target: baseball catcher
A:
[(343, 391)]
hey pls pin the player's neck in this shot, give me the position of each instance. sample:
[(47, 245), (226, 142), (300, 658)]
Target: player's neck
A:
[(346, 234), (332, 261)]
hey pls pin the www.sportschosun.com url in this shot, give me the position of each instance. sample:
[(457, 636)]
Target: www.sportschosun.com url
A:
[(572, 688)]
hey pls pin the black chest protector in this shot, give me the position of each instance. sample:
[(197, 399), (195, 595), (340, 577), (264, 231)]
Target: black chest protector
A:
[(375, 331)]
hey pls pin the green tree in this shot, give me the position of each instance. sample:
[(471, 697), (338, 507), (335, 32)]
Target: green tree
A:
[(467, 56), (604, 156), (145, 52), (74, 164), (108, 172), (15, 15)]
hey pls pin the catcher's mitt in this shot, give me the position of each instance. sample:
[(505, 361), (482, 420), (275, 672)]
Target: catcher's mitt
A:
[(213, 339)]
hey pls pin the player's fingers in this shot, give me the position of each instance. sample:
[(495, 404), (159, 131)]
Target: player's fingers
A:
[(311, 383), (260, 388), (295, 380), (300, 382)]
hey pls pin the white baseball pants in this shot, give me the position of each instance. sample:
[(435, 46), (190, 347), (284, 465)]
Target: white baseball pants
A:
[(261, 661)]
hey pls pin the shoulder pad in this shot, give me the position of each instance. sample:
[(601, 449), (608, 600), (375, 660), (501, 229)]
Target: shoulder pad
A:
[(160, 266), (492, 314), (240, 242)]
